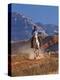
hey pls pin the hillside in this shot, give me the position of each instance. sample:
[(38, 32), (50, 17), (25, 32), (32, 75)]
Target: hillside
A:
[(21, 27)]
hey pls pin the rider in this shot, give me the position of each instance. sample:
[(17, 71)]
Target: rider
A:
[(35, 35), (34, 31)]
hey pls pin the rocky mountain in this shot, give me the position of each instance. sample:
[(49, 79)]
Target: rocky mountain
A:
[(21, 27), (50, 29), (50, 43)]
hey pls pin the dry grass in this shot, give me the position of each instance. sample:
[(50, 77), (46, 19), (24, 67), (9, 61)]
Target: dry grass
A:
[(21, 66)]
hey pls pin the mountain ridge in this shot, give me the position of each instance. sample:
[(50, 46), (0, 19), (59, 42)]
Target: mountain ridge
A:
[(21, 27)]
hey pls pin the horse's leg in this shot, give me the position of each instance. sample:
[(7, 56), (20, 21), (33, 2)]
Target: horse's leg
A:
[(38, 52), (38, 49), (34, 53)]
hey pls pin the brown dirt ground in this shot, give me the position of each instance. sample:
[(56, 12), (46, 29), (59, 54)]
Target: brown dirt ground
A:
[(21, 66)]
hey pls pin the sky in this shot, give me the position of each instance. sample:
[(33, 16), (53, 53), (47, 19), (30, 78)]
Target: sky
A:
[(38, 13)]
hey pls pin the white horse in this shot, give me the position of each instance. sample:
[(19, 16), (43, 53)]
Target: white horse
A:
[(35, 44)]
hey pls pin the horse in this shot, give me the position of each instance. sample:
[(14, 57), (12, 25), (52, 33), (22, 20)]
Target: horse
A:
[(35, 44)]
